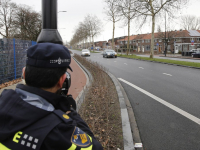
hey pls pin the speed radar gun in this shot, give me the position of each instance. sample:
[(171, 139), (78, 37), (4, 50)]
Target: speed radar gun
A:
[(50, 34)]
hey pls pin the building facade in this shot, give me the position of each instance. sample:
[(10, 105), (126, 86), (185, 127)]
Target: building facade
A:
[(174, 41)]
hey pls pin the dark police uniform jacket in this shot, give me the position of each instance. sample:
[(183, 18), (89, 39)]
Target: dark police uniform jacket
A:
[(27, 127)]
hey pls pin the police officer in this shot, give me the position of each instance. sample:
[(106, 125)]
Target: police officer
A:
[(36, 116)]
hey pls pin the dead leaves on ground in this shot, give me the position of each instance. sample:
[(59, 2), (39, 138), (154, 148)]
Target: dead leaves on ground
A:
[(6, 84)]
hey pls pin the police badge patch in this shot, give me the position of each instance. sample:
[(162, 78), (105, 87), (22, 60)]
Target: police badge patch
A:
[(80, 138)]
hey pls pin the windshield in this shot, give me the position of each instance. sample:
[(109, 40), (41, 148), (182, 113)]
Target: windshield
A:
[(109, 51), (85, 50)]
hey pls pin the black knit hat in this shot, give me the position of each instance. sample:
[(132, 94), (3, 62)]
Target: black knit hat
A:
[(48, 55)]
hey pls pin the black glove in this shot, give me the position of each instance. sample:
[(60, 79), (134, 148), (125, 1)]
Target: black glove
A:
[(67, 103)]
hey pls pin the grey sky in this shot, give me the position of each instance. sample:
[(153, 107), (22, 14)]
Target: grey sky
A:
[(78, 9)]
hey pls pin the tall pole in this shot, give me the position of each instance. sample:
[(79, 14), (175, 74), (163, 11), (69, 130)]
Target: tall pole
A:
[(165, 36), (49, 31)]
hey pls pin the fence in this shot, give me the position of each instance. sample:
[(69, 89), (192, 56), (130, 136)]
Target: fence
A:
[(12, 58)]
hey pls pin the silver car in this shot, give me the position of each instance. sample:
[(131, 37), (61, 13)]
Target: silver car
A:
[(85, 52), (109, 53)]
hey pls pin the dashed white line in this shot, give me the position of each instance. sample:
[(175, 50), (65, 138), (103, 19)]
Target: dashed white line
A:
[(178, 110), (167, 74), (125, 64), (141, 67)]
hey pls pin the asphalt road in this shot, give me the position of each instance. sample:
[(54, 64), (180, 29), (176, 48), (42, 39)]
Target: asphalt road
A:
[(165, 101)]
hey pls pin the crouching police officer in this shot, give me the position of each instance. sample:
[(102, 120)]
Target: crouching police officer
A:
[(36, 116)]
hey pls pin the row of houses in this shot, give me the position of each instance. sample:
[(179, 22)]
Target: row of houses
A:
[(174, 41)]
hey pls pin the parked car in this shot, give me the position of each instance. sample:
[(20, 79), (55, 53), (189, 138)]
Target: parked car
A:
[(193, 50), (109, 53), (196, 55), (85, 52)]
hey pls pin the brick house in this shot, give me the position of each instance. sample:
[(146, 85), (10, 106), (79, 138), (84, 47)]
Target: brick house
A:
[(101, 44), (116, 41), (183, 40)]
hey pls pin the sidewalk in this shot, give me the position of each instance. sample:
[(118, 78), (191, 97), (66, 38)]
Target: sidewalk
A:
[(78, 80)]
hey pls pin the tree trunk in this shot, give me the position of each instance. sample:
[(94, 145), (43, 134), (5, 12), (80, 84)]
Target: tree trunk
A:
[(6, 32), (93, 43), (113, 35), (152, 37), (128, 45)]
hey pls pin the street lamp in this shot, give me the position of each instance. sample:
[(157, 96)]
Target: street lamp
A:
[(49, 31)]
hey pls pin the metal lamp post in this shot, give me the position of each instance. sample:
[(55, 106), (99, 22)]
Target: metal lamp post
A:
[(49, 31)]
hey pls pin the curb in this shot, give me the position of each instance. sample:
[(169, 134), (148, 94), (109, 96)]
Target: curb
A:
[(126, 127), (80, 97)]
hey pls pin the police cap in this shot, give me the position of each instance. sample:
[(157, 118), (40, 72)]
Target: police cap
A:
[(48, 55)]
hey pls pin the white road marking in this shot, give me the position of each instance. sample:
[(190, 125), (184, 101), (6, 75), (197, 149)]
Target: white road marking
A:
[(141, 67), (125, 64), (178, 110), (115, 61), (167, 74)]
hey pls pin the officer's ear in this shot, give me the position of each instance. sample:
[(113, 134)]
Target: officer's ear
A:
[(61, 80), (23, 73)]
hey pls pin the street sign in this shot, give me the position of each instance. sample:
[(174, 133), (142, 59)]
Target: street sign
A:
[(157, 44), (192, 42)]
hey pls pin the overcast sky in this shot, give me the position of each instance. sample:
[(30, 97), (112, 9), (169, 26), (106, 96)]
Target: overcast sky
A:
[(78, 9)]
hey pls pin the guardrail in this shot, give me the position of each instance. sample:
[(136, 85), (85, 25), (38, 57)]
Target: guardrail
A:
[(12, 58)]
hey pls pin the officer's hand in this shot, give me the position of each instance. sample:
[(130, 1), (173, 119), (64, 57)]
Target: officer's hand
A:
[(69, 95), (68, 112)]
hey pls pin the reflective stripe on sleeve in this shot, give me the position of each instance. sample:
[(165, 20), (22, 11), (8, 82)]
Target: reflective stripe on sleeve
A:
[(73, 147), (3, 147)]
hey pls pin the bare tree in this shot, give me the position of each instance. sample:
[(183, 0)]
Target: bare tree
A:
[(27, 23), (125, 7), (190, 22), (88, 29), (94, 26), (7, 11), (112, 12), (153, 8)]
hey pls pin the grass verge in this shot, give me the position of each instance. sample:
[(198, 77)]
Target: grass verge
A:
[(101, 108), (183, 63)]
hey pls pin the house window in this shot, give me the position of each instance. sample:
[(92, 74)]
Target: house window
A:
[(160, 40), (198, 39), (147, 47), (155, 40), (142, 41), (134, 41), (177, 40)]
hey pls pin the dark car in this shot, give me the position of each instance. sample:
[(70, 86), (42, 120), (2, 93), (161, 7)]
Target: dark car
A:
[(109, 53), (196, 55)]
